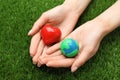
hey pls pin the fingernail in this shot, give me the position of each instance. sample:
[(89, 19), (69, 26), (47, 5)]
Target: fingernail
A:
[(34, 60), (29, 33), (34, 63), (31, 55), (39, 65), (48, 64), (74, 69)]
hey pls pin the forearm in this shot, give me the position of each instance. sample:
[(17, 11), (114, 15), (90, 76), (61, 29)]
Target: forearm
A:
[(77, 6), (111, 17)]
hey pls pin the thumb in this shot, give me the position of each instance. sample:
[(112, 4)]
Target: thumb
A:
[(80, 60), (38, 24)]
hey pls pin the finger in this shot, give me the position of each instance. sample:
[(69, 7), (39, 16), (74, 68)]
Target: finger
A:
[(40, 61), (49, 58), (40, 57), (39, 64), (44, 51), (80, 60), (38, 24), (53, 48), (57, 53), (39, 51), (34, 44), (60, 63)]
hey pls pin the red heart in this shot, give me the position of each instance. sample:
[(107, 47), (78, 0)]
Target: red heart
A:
[(50, 35)]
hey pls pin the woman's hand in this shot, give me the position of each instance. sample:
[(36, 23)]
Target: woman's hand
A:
[(63, 16), (89, 36)]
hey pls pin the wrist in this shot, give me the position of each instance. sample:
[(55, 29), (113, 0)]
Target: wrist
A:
[(105, 26), (110, 18), (76, 6), (100, 26)]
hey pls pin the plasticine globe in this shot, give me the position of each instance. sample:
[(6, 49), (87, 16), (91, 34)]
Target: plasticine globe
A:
[(69, 47)]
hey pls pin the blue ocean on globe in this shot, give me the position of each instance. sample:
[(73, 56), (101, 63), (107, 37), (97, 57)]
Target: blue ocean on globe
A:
[(72, 46)]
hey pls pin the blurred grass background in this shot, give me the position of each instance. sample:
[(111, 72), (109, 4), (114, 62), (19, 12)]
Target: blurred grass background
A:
[(17, 18)]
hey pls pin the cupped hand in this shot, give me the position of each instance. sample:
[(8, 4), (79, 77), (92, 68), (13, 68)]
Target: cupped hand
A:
[(60, 17), (89, 36)]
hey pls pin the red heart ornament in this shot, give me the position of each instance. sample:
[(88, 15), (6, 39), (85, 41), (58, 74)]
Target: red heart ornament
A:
[(50, 34)]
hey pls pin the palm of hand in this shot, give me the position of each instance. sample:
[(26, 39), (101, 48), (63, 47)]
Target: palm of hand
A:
[(89, 38), (57, 17)]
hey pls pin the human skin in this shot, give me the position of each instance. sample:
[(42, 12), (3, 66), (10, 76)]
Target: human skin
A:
[(63, 16), (90, 35)]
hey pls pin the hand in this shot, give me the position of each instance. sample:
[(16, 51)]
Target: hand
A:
[(64, 16), (89, 36), (60, 17)]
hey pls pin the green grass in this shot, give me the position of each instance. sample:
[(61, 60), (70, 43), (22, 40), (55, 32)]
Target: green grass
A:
[(17, 18)]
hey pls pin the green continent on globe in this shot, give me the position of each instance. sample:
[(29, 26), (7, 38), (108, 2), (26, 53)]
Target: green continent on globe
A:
[(69, 47)]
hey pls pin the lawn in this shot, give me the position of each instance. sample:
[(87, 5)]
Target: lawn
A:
[(17, 18)]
